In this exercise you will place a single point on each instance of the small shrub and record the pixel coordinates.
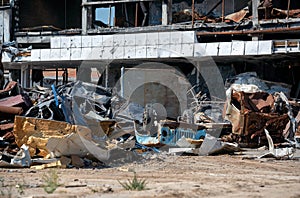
(51, 181)
(134, 184)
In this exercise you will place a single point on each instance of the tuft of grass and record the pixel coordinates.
(51, 181)
(134, 184)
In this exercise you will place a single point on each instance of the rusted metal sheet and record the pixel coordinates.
(251, 113)
(6, 126)
(11, 101)
(9, 87)
(237, 16)
(10, 110)
(284, 13)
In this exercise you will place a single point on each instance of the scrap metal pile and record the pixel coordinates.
(78, 123)
(267, 9)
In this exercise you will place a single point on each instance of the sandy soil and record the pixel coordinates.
(170, 176)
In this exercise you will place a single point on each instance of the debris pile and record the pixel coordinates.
(81, 124)
(12, 102)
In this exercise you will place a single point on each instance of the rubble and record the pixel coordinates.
(75, 124)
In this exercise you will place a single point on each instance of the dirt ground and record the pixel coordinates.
(170, 176)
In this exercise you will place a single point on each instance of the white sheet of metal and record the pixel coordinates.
(140, 51)
(237, 48)
(175, 50)
(86, 41)
(152, 52)
(65, 54)
(118, 52)
(187, 50)
(86, 53)
(251, 47)
(176, 37)
(107, 53)
(129, 40)
(75, 41)
(108, 40)
(65, 42)
(76, 53)
(225, 48)
(119, 40)
(163, 51)
(141, 39)
(97, 41)
(55, 42)
(164, 38)
(212, 49)
(129, 52)
(189, 37)
(199, 49)
(265, 47)
(96, 53)
(55, 54)
(152, 39)
(36, 55)
(45, 54)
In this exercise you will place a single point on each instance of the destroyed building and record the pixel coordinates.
(159, 54)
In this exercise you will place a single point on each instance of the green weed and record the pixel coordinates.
(134, 184)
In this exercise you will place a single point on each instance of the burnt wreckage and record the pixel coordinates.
(149, 78)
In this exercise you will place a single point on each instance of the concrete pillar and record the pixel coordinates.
(84, 18)
(255, 21)
(25, 76)
(164, 17)
(166, 12)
